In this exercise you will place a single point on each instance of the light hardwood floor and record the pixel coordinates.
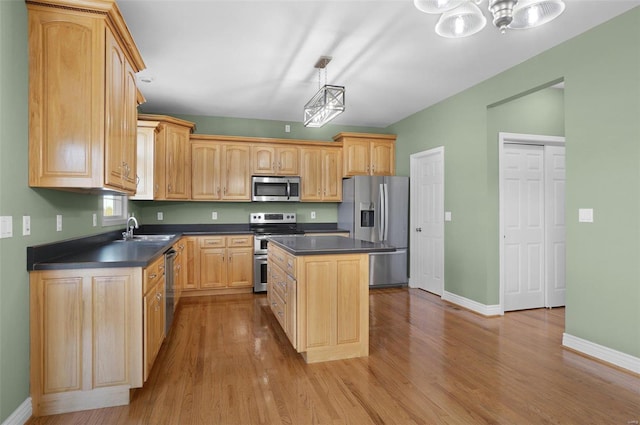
(228, 362)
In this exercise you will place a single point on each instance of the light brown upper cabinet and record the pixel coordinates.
(368, 154)
(171, 157)
(82, 96)
(270, 160)
(320, 176)
(220, 171)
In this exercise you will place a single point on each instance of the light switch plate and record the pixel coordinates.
(447, 216)
(26, 225)
(585, 215)
(313, 215)
(58, 223)
(95, 219)
(6, 226)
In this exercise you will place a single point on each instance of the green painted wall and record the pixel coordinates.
(602, 130)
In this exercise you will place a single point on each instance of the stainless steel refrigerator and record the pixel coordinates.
(376, 209)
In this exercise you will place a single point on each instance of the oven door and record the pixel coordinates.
(260, 273)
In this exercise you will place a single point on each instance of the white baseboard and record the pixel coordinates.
(601, 352)
(485, 310)
(21, 414)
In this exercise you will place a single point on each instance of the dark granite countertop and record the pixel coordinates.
(319, 245)
(100, 251)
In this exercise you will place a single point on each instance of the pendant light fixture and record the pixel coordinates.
(462, 18)
(327, 103)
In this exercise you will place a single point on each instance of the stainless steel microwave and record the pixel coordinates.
(275, 189)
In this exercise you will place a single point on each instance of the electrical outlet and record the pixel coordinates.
(287, 128)
(214, 215)
(447, 216)
(95, 219)
(160, 216)
(26, 225)
(59, 223)
(313, 215)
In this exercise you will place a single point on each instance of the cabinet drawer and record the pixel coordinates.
(278, 308)
(152, 274)
(277, 281)
(239, 240)
(213, 242)
(283, 259)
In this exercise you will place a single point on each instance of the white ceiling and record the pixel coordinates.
(255, 59)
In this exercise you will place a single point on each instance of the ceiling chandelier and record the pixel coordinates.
(461, 18)
(327, 103)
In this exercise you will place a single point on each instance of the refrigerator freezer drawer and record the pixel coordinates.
(388, 268)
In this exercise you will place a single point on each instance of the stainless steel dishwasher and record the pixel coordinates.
(169, 256)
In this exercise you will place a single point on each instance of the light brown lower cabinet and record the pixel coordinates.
(321, 302)
(219, 265)
(95, 334)
(86, 338)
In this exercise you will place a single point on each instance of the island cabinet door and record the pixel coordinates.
(332, 307)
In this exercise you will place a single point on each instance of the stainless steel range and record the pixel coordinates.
(264, 225)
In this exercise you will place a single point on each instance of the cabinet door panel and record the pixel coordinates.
(311, 174)
(129, 137)
(213, 268)
(61, 338)
(115, 168)
(263, 160)
(320, 278)
(65, 100)
(331, 177)
(236, 174)
(348, 296)
(240, 268)
(192, 263)
(205, 177)
(287, 161)
(110, 329)
(178, 166)
(357, 158)
(382, 158)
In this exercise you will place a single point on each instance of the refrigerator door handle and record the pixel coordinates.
(386, 212)
(381, 219)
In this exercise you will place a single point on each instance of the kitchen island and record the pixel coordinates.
(318, 290)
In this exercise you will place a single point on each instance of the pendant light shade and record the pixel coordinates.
(324, 106)
(533, 13)
(463, 21)
(437, 6)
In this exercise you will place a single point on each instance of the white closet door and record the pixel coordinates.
(524, 227)
(555, 224)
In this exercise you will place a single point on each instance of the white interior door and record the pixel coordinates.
(427, 221)
(554, 158)
(523, 227)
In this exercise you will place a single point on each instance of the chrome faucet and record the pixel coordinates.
(130, 227)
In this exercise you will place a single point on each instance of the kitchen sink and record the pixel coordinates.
(148, 238)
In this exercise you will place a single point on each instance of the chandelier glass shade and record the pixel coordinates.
(462, 18)
(462, 21)
(324, 106)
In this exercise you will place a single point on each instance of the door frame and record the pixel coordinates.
(521, 139)
(413, 159)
